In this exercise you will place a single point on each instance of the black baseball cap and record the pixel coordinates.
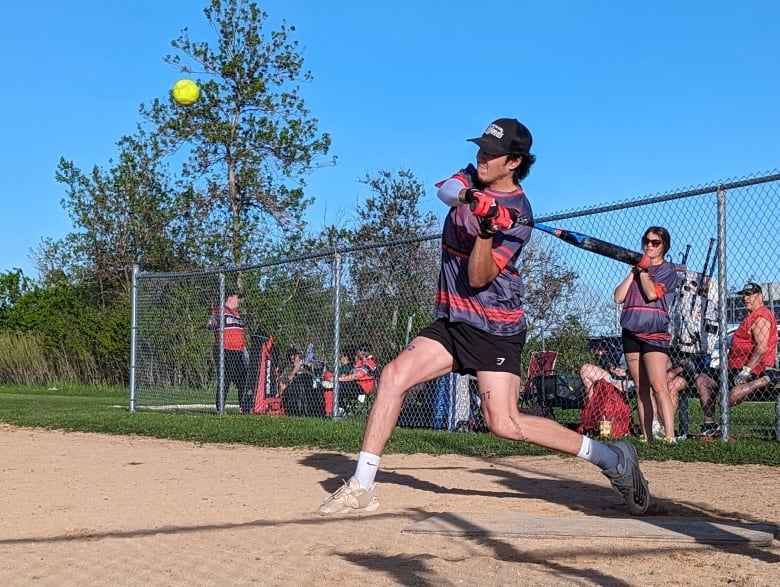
(750, 289)
(505, 136)
(233, 292)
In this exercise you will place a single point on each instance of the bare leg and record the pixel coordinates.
(644, 402)
(739, 393)
(590, 374)
(676, 383)
(705, 385)
(422, 360)
(499, 392)
(656, 365)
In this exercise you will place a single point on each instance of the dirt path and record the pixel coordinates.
(81, 509)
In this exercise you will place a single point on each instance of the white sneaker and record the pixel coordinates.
(350, 497)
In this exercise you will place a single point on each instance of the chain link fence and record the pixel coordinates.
(313, 316)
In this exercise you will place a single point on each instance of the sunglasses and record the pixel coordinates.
(655, 242)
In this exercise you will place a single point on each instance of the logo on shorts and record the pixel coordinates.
(500, 360)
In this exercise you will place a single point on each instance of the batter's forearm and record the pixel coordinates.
(482, 265)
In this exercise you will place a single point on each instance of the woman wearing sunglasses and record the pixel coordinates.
(647, 295)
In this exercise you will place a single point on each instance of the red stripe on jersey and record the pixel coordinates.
(492, 314)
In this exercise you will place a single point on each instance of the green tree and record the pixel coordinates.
(13, 285)
(391, 284)
(570, 340)
(121, 215)
(248, 142)
(554, 292)
(80, 339)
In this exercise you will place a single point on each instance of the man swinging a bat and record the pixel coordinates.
(480, 326)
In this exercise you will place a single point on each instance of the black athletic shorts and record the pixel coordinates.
(473, 350)
(632, 344)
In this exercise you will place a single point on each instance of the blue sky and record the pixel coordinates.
(623, 99)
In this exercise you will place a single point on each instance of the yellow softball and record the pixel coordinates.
(185, 92)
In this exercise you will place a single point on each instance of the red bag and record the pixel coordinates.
(606, 402)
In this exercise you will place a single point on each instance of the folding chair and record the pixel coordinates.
(541, 375)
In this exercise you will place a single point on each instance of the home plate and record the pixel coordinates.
(647, 528)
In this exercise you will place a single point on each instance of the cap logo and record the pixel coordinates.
(495, 130)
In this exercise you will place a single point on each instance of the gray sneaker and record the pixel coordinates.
(350, 497)
(627, 479)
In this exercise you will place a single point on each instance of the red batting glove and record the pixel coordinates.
(501, 219)
(644, 263)
(480, 204)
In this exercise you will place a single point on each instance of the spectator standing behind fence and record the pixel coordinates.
(647, 293)
(480, 326)
(235, 351)
(359, 382)
(751, 357)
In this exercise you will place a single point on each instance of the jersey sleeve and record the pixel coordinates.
(665, 280)
(467, 176)
(508, 244)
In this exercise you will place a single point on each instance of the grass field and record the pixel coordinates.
(88, 409)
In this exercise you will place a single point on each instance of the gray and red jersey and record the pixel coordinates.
(498, 307)
(233, 327)
(649, 321)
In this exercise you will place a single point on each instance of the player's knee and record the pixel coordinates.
(506, 426)
(503, 431)
(736, 397)
(391, 381)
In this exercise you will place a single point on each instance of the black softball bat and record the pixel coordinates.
(586, 242)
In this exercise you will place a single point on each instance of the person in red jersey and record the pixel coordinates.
(235, 351)
(751, 359)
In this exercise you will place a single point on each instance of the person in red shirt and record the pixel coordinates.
(752, 352)
(235, 351)
(360, 381)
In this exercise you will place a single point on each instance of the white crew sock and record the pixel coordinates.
(367, 466)
(598, 454)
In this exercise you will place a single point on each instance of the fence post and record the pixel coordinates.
(133, 333)
(723, 324)
(336, 331)
(221, 367)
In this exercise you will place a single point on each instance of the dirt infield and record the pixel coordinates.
(81, 509)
